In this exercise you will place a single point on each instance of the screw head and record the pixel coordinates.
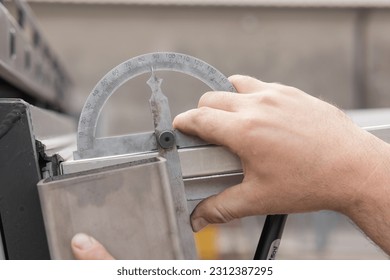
(166, 139)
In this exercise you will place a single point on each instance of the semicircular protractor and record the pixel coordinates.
(89, 146)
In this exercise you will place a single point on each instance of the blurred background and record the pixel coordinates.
(336, 50)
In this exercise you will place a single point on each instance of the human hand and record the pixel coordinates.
(298, 153)
(86, 247)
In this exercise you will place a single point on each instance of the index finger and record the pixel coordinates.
(207, 123)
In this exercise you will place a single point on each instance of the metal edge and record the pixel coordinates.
(243, 3)
(2, 254)
(33, 68)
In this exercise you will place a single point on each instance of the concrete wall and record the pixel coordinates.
(378, 59)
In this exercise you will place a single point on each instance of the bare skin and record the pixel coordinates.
(299, 154)
(85, 247)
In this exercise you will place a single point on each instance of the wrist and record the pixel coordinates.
(366, 177)
(370, 208)
(370, 189)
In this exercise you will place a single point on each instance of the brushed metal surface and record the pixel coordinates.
(128, 208)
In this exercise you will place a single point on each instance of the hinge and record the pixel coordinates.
(49, 165)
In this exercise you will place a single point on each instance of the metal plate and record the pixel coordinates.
(128, 208)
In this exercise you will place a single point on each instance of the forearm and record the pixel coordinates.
(371, 208)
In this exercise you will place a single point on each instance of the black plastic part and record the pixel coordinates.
(272, 231)
(22, 227)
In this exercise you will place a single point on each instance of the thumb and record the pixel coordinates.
(234, 202)
(86, 247)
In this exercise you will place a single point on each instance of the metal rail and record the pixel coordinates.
(26, 60)
(243, 3)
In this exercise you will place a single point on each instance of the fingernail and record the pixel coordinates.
(82, 241)
(198, 224)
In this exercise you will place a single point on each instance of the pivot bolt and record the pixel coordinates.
(166, 139)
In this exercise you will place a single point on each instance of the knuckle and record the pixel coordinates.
(214, 210)
(201, 115)
(205, 99)
(285, 89)
(222, 215)
(248, 121)
(291, 91)
(267, 97)
(251, 128)
(202, 111)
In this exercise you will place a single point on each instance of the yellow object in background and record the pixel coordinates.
(206, 243)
